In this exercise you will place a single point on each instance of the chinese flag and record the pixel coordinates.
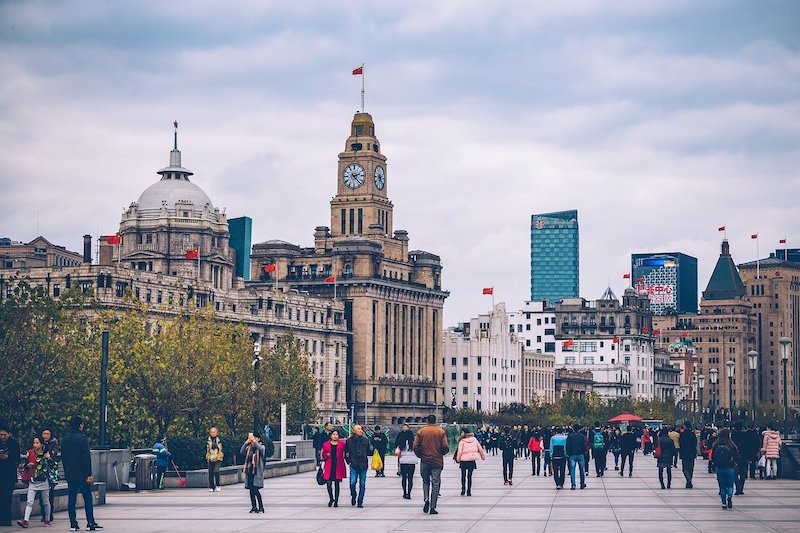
(616, 340)
(645, 330)
(488, 290)
(270, 268)
(330, 279)
(656, 332)
(568, 343)
(626, 276)
(359, 71)
(639, 280)
(754, 236)
(782, 241)
(193, 254)
(113, 239)
(685, 335)
(721, 228)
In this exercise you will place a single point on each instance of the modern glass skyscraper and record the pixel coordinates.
(670, 280)
(241, 236)
(554, 256)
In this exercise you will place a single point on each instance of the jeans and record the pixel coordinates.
(41, 503)
(687, 464)
(599, 455)
(579, 460)
(772, 467)
(32, 492)
(407, 477)
(359, 476)
(213, 474)
(629, 457)
(726, 478)
(72, 498)
(536, 463)
(741, 476)
(508, 467)
(559, 467)
(546, 461)
(431, 480)
(661, 475)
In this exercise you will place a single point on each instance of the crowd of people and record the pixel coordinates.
(732, 454)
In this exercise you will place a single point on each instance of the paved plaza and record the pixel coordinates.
(297, 504)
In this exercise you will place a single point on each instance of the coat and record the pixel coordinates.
(771, 444)
(535, 444)
(162, 455)
(8, 466)
(341, 468)
(688, 441)
(357, 452)
(258, 473)
(469, 449)
(75, 457)
(668, 451)
(430, 445)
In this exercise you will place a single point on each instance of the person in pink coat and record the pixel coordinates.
(334, 470)
(771, 446)
(469, 451)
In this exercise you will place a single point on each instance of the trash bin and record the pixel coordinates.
(145, 465)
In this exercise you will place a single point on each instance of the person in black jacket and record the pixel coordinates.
(688, 453)
(576, 451)
(356, 454)
(747, 450)
(77, 461)
(628, 447)
(9, 461)
(380, 442)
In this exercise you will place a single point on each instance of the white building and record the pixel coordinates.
(483, 363)
(536, 325)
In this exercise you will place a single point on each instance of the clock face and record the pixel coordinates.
(354, 175)
(380, 177)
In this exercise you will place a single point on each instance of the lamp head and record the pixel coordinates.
(714, 375)
(785, 342)
(730, 366)
(701, 381)
(752, 358)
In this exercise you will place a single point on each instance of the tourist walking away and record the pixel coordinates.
(9, 460)
(646, 440)
(356, 454)
(379, 443)
(743, 440)
(771, 446)
(461, 436)
(214, 457)
(688, 453)
(77, 461)
(576, 452)
(615, 443)
(469, 451)
(507, 444)
(665, 454)
(535, 448)
(675, 436)
(546, 434)
(254, 453)
(725, 455)
(37, 474)
(598, 439)
(162, 460)
(321, 438)
(430, 444)
(50, 445)
(628, 447)
(404, 449)
(709, 446)
(558, 457)
(334, 470)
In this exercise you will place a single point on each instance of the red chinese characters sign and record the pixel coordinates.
(658, 294)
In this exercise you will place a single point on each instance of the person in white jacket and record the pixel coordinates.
(408, 459)
(469, 451)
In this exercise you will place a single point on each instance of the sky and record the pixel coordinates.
(659, 121)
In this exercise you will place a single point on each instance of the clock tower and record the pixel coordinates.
(361, 205)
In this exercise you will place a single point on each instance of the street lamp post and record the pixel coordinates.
(694, 399)
(701, 384)
(785, 342)
(752, 359)
(254, 385)
(730, 367)
(714, 373)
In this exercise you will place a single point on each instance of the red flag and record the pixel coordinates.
(639, 280)
(754, 236)
(626, 276)
(330, 279)
(114, 239)
(270, 268)
(721, 228)
(193, 254)
(645, 330)
(657, 332)
(488, 290)
(685, 335)
(568, 343)
(616, 340)
(782, 241)
(359, 71)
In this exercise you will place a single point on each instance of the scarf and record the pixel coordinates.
(251, 461)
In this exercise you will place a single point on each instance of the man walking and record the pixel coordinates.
(747, 449)
(599, 441)
(430, 445)
(675, 438)
(688, 453)
(576, 450)
(77, 461)
(356, 454)
(380, 442)
(558, 456)
(628, 447)
(9, 460)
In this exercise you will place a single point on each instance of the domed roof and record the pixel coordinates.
(167, 192)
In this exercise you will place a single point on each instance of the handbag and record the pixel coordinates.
(377, 464)
(762, 461)
(657, 452)
(26, 472)
(320, 476)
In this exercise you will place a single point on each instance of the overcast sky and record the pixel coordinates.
(658, 120)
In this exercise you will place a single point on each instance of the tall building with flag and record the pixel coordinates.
(554, 256)
(669, 279)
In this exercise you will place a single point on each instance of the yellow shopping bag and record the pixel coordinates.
(377, 464)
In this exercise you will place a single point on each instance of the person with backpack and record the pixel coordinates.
(254, 453)
(507, 444)
(725, 456)
(535, 449)
(576, 450)
(37, 473)
(598, 440)
(665, 454)
(558, 456)
(688, 453)
(214, 457)
(50, 445)
(628, 447)
(162, 460)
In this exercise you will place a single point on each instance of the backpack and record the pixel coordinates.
(598, 440)
(722, 456)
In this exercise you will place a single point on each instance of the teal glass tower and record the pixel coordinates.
(554, 256)
(241, 236)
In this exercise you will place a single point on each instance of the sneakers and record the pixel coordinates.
(94, 527)
(47, 523)
(217, 489)
(210, 490)
(353, 500)
(22, 523)
(433, 511)
(74, 527)
(426, 507)
(730, 502)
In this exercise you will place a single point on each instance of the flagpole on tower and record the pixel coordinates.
(362, 87)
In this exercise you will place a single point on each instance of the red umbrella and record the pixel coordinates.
(625, 417)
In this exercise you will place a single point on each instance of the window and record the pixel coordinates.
(479, 376)
(465, 390)
(453, 376)
(453, 361)
(479, 360)
(465, 361)
(538, 321)
(569, 360)
(527, 327)
(464, 376)
(549, 347)
(588, 360)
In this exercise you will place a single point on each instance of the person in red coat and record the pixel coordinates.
(334, 470)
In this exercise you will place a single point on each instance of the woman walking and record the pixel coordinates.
(404, 448)
(254, 453)
(40, 464)
(507, 447)
(725, 454)
(771, 446)
(335, 470)
(665, 454)
(535, 447)
(469, 451)
(616, 446)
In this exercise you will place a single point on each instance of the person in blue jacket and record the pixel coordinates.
(162, 460)
(558, 456)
